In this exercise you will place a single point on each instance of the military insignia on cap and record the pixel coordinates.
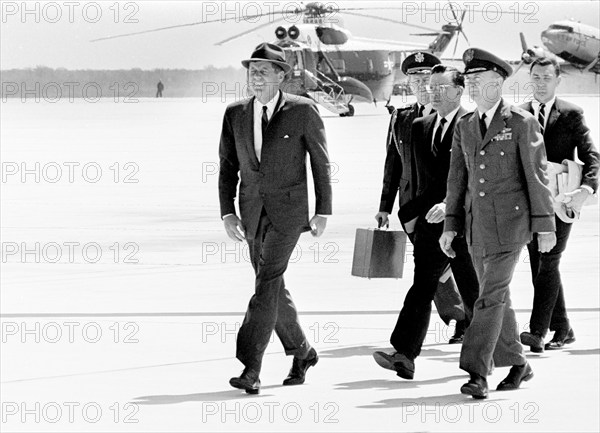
(419, 58)
(468, 55)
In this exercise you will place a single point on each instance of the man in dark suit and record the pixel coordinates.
(564, 131)
(265, 141)
(431, 143)
(400, 178)
(498, 197)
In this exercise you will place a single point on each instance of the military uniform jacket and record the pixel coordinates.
(497, 192)
(278, 183)
(566, 131)
(399, 176)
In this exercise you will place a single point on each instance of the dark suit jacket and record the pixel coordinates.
(279, 182)
(399, 176)
(497, 185)
(566, 131)
(431, 170)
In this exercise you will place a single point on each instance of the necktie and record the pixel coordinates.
(421, 109)
(542, 117)
(482, 125)
(264, 120)
(437, 139)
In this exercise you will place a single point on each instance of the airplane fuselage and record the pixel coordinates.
(574, 42)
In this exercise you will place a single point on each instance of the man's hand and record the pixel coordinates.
(446, 243)
(436, 214)
(546, 241)
(234, 228)
(576, 198)
(382, 219)
(317, 225)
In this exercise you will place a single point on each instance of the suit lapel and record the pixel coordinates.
(447, 140)
(248, 131)
(429, 126)
(496, 125)
(553, 117)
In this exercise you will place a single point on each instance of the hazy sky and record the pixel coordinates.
(58, 34)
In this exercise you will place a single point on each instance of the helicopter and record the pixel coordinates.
(578, 44)
(330, 65)
(335, 69)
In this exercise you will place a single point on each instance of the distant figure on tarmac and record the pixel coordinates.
(159, 88)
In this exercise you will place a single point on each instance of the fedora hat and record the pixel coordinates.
(271, 53)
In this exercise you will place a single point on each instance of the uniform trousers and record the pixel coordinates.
(492, 339)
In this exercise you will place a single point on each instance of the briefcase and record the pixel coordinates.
(379, 253)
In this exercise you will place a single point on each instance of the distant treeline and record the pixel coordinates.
(48, 83)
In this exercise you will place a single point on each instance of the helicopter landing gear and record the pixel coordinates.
(349, 113)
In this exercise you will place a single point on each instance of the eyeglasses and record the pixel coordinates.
(440, 88)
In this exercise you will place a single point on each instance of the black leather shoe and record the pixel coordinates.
(560, 339)
(297, 374)
(534, 340)
(476, 386)
(517, 374)
(248, 381)
(459, 332)
(398, 362)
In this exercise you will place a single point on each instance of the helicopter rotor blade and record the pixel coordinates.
(160, 29)
(455, 47)
(239, 35)
(454, 13)
(375, 17)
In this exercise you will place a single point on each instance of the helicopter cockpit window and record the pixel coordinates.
(339, 65)
(561, 27)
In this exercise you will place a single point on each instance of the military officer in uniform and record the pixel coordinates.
(497, 197)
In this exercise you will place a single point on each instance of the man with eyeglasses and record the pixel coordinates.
(564, 131)
(497, 197)
(265, 141)
(431, 140)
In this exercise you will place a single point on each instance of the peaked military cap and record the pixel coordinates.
(419, 63)
(478, 60)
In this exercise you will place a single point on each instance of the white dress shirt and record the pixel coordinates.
(258, 110)
(547, 107)
(449, 117)
(489, 114)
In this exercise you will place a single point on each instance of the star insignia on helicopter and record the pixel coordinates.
(389, 64)
(419, 58)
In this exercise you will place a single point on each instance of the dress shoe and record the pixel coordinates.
(534, 340)
(248, 381)
(398, 362)
(517, 374)
(459, 332)
(560, 339)
(476, 386)
(297, 374)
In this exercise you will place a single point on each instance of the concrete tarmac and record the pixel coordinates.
(121, 294)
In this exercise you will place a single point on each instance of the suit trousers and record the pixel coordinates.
(549, 310)
(447, 299)
(492, 339)
(271, 307)
(430, 262)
